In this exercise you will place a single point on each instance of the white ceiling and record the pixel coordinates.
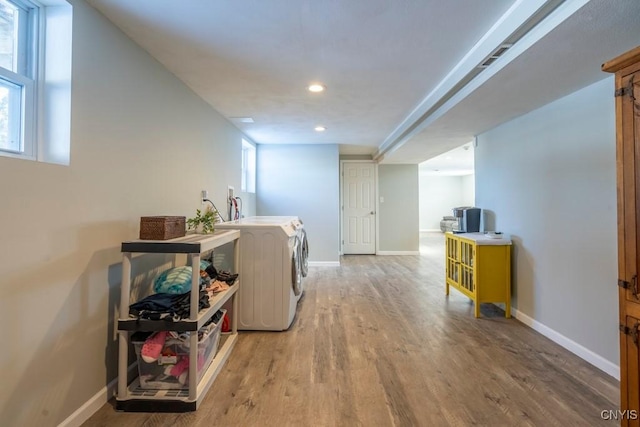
(457, 162)
(386, 64)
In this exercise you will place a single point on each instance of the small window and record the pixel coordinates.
(248, 167)
(18, 30)
(35, 80)
(11, 117)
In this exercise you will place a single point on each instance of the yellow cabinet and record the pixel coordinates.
(479, 266)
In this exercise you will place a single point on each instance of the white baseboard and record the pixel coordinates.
(92, 405)
(577, 349)
(398, 253)
(324, 263)
(428, 230)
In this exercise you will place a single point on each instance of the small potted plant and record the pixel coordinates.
(204, 221)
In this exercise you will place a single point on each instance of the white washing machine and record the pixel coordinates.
(270, 271)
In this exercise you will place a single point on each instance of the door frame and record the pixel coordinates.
(375, 196)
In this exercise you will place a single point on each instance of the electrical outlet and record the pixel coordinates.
(205, 195)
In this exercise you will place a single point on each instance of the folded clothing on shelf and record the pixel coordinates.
(177, 280)
(223, 276)
(167, 306)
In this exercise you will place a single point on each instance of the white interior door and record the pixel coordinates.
(358, 208)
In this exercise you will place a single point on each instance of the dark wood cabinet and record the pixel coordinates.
(627, 92)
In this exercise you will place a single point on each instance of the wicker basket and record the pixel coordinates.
(162, 227)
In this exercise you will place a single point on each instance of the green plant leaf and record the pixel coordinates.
(206, 219)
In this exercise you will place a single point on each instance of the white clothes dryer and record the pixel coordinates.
(270, 271)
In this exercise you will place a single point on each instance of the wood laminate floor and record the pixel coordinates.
(376, 343)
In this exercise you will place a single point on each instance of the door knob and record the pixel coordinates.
(372, 213)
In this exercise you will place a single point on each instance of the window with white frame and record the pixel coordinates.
(35, 79)
(248, 167)
(18, 67)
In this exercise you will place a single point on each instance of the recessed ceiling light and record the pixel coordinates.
(315, 87)
(320, 128)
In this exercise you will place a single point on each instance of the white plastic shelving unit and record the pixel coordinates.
(130, 396)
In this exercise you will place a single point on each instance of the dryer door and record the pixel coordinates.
(304, 253)
(296, 274)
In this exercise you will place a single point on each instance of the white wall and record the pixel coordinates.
(303, 180)
(469, 190)
(549, 179)
(398, 215)
(141, 144)
(440, 194)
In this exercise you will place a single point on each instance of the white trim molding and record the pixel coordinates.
(91, 406)
(324, 263)
(577, 349)
(398, 253)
